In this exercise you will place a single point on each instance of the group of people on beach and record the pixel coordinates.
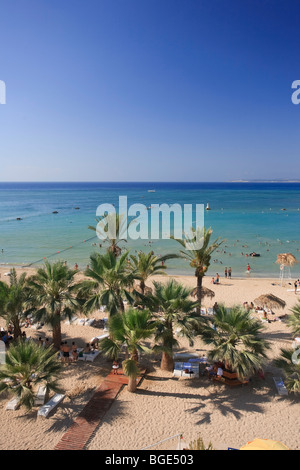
(227, 274)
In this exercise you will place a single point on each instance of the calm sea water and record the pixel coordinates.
(248, 215)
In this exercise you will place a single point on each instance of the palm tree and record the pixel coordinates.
(199, 258)
(53, 296)
(236, 340)
(13, 298)
(146, 265)
(114, 225)
(291, 367)
(131, 329)
(27, 367)
(294, 319)
(110, 280)
(172, 309)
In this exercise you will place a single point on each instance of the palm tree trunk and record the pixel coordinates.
(199, 291)
(131, 384)
(57, 335)
(17, 329)
(167, 362)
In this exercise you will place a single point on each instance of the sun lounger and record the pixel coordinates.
(40, 396)
(203, 311)
(51, 405)
(81, 321)
(281, 388)
(186, 369)
(210, 311)
(90, 322)
(13, 404)
(91, 356)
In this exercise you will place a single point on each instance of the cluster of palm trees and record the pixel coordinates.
(159, 315)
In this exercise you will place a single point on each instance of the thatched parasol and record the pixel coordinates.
(205, 292)
(270, 301)
(287, 259)
(138, 289)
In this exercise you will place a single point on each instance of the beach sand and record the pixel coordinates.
(165, 406)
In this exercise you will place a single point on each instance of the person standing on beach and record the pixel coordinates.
(248, 269)
(295, 285)
(229, 273)
(225, 272)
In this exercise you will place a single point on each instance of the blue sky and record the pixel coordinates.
(148, 90)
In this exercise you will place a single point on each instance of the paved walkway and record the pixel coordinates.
(89, 419)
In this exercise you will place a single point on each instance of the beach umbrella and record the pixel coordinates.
(286, 259)
(264, 444)
(138, 289)
(270, 301)
(205, 292)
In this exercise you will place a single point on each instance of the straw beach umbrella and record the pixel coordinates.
(205, 292)
(286, 261)
(270, 301)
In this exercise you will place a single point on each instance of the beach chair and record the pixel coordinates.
(51, 405)
(81, 321)
(210, 311)
(91, 356)
(281, 388)
(203, 311)
(41, 395)
(13, 404)
(90, 322)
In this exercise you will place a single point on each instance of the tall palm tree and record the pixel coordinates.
(294, 319)
(172, 309)
(13, 298)
(113, 225)
(53, 296)
(109, 281)
(199, 258)
(132, 329)
(291, 368)
(235, 339)
(27, 367)
(146, 265)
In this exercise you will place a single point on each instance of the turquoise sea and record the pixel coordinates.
(249, 216)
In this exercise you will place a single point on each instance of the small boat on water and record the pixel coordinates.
(207, 207)
(151, 190)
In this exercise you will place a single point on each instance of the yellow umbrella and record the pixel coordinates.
(264, 444)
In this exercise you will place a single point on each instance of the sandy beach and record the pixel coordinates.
(164, 405)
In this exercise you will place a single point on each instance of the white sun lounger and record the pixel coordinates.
(91, 356)
(90, 322)
(46, 409)
(13, 404)
(281, 388)
(40, 396)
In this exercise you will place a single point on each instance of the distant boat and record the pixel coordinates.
(151, 190)
(207, 207)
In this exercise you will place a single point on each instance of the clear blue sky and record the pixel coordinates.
(149, 90)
